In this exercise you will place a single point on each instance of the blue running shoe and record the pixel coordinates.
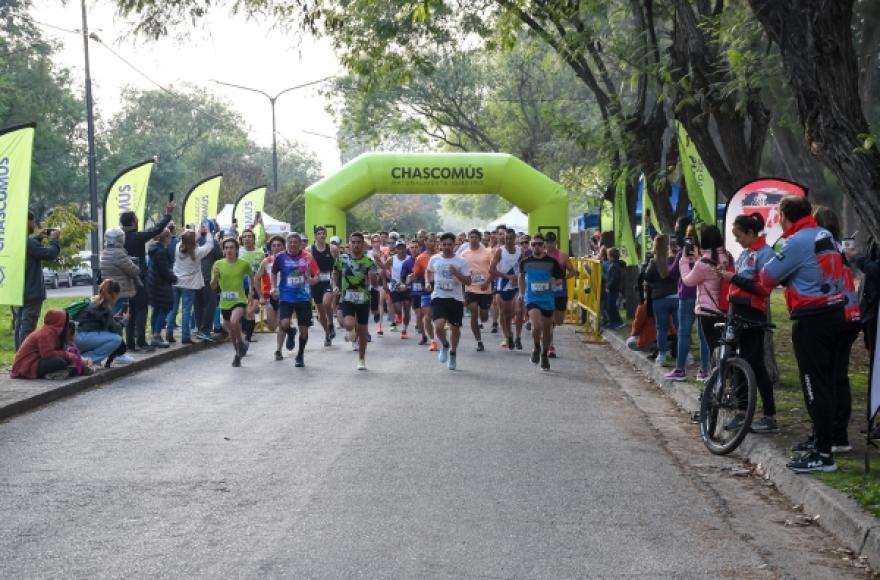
(451, 365)
(444, 354)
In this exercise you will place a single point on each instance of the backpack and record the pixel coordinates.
(74, 309)
(724, 293)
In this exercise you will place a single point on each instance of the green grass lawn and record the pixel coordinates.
(794, 420)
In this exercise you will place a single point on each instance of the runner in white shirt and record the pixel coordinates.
(447, 275)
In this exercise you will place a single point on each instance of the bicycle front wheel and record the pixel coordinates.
(727, 406)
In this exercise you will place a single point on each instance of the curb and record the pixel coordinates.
(840, 515)
(71, 387)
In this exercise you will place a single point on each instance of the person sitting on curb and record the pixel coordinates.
(43, 353)
(99, 334)
(643, 336)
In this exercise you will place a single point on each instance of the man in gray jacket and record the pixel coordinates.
(28, 314)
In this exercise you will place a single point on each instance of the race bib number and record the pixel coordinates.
(478, 278)
(229, 295)
(324, 276)
(540, 286)
(417, 287)
(354, 297)
(393, 285)
(296, 280)
(446, 285)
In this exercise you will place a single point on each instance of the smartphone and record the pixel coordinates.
(171, 197)
(849, 243)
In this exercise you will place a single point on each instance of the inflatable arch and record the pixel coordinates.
(544, 200)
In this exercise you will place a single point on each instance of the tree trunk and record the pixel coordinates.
(730, 141)
(815, 39)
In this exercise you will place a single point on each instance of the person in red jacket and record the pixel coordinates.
(43, 354)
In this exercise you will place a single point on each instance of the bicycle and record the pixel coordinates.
(727, 405)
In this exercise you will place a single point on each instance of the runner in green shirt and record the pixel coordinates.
(353, 274)
(229, 275)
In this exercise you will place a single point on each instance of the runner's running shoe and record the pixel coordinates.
(433, 346)
(444, 354)
(451, 365)
(362, 364)
(404, 335)
(545, 362)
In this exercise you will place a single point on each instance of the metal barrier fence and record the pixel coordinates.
(585, 298)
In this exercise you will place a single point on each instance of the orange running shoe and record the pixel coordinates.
(433, 346)
(404, 335)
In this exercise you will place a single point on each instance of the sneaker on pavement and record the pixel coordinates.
(433, 347)
(392, 328)
(444, 354)
(676, 375)
(404, 335)
(765, 425)
(289, 342)
(505, 343)
(243, 347)
(379, 330)
(424, 340)
(841, 448)
(278, 355)
(536, 355)
(236, 362)
(451, 364)
(494, 328)
(702, 375)
(145, 348)
(545, 361)
(299, 361)
(813, 461)
(332, 333)
(169, 338)
(362, 364)
(551, 352)
(123, 359)
(480, 346)
(518, 344)
(327, 341)
(159, 343)
(58, 375)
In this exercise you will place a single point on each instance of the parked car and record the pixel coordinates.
(50, 278)
(81, 274)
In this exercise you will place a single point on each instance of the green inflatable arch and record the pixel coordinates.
(544, 200)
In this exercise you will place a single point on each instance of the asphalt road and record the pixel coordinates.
(408, 470)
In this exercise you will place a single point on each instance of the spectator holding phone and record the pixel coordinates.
(136, 246)
(118, 266)
(27, 315)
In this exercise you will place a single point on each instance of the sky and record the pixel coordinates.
(224, 47)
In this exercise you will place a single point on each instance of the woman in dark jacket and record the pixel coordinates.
(160, 282)
(98, 333)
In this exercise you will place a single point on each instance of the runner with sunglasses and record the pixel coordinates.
(540, 274)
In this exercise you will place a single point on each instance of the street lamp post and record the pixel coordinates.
(272, 100)
(92, 157)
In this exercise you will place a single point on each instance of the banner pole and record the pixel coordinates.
(92, 157)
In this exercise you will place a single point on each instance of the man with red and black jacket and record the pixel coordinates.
(812, 271)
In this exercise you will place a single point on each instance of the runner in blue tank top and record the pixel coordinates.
(539, 276)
